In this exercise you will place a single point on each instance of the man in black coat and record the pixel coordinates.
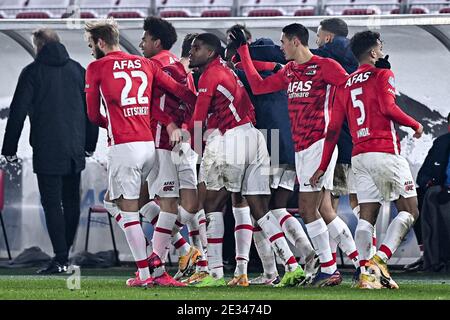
(50, 91)
(433, 194)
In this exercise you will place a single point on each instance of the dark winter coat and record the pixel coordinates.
(50, 91)
(434, 168)
(271, 109)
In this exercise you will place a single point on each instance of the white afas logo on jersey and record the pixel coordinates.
(299, 89)
(129, 64)
(358, 78)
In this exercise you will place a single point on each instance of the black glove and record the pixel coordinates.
(277, 68)
(237, 37)
(383, 63)
(12, 159)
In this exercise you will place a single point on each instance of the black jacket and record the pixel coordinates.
(50, 91)
(271, 109)
(433, 170)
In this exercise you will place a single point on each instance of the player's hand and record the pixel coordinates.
(237, 37)
(418, 132)
(314, 180)
(175, 134)
(12, 159)
(383, 63)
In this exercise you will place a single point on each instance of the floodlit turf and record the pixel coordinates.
(101, 284)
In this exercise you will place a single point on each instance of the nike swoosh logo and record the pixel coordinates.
(307, 184)
(437, 164)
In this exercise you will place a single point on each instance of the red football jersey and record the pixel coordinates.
(367, 99)
(178, 111)
(124, 82)
(309, 87)
(221, 95)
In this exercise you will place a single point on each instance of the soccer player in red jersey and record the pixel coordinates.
(308, 80)
(124, 83)
(367, 99)
(201, 268)
(174, 177)
(235, 157)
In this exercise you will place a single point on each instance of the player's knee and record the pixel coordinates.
(190, 206)
(306, 205)
(415, 213)
(212, 206)
(409, 205)
(276, 203)
(169, 205)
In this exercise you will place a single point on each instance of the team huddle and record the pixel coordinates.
(161, 123)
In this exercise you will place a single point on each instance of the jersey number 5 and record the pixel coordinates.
(358, 104)
(124, 99)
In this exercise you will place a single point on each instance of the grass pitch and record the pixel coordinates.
(109, 284)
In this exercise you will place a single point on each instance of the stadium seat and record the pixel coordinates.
(427, 6)
(395, 11)
(445, 10)
(418, 10)
(102, 210)
(2, 205)
(304, 12)
(216, 13)
(173, 14)
(33, 15)
(83, 15)
(357, 11)
(125, 14)
(265, 13)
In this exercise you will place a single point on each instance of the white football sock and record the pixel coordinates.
(294, 232)
(215, 231)
(395, 233)
(318, 233)
(363, 240)
(340, 232)
(114, 211)
(243, 232)
(150, 212)
(162, 233)
(136, 241)
(273, 232)
(265, 252)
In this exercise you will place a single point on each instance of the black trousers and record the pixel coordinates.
(60, 198)
(436, 230)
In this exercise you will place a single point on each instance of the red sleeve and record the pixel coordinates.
(273, 83)
(259, 65)
(171, 86)
(93, 97)
(206, 89)
(333, 73)
(386, 99)
(333, 130)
